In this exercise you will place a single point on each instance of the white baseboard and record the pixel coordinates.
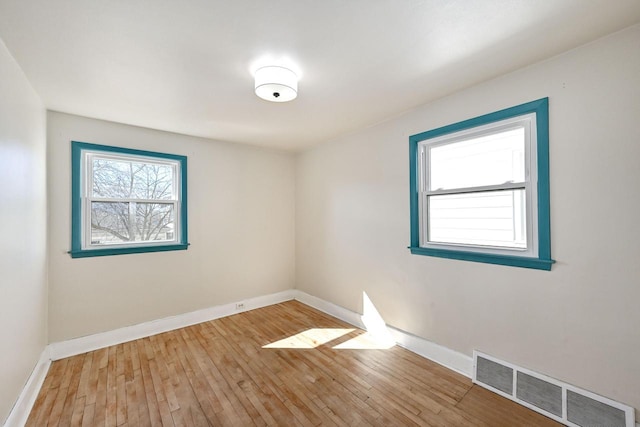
(451, 359)
(444, 356)
(332, 309)
(22, 408)
(60, 350)
(459, 362)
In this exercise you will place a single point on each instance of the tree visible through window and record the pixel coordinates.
(141, 216)
(128, 199)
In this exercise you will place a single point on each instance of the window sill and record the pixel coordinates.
(85, 253)
(513, 261)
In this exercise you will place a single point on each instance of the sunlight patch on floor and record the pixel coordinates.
(366, 341)
(376, 337)
(311, 338)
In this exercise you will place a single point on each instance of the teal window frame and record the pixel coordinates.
(77, 251)
(543, 260)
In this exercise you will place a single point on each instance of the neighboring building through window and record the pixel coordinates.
(480, 189)
(127, 201)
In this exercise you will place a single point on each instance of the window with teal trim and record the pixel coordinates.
(480, 189)
(126, 201)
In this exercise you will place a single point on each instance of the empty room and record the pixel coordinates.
(320, 213)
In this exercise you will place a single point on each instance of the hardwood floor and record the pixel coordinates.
(282, 365)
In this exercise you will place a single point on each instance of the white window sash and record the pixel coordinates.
(481, 189)
(87, 198)
(529, 185)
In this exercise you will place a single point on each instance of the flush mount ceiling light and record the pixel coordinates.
(276, 84)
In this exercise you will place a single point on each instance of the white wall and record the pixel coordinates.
(241, 230)
(581, 321)
(23, 220)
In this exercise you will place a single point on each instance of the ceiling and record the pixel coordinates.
(186, 66)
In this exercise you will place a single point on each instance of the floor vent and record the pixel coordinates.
(562, 402)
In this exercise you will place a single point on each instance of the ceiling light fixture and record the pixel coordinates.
(276, 84)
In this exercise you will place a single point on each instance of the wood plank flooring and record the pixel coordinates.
(283, 365)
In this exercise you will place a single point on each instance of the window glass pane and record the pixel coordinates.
(132, 180)
(110, 223)
(154, 221)
(486, 160)
(117, 223)
(491, 218)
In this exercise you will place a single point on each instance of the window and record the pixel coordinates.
(126, 201)
(480, 189)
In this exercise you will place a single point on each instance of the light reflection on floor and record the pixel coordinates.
(315, 337)
(365, 341)
(377, 335)
(311, 338)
